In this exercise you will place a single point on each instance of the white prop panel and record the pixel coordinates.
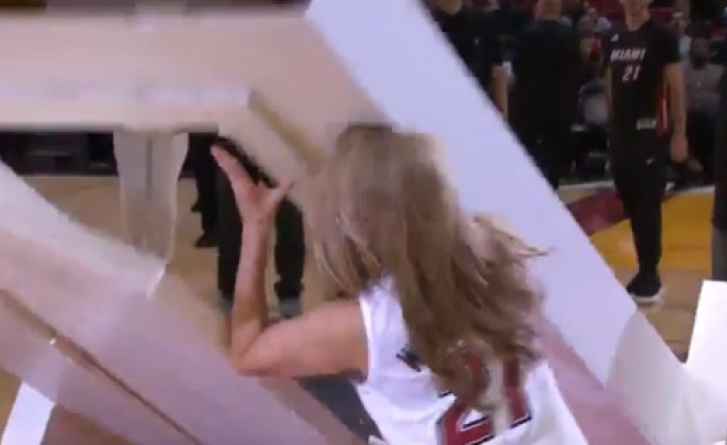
(28, 418)
(30, 349)
(707, 363)
(161, 341)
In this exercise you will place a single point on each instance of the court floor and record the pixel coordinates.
(686, 263)
(686, 255)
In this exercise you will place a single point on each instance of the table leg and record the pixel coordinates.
(149, 165)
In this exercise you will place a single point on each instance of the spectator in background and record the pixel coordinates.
(548, 69)
(680, 24)
(473, 35)
(574, 10)
(601, 24)
(590, 132)
(508, 17)
(486, 6)
(590, 45)
(702, 83)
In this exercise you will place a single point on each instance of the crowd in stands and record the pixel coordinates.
(513, 53)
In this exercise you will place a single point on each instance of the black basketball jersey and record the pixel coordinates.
(637, 60)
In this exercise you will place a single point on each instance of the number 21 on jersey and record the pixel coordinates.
(631, 73)
(456, 430)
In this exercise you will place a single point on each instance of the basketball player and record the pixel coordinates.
(645, 86)
(437, 330)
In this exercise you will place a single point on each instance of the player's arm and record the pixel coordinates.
(674, 76)
(500, 89)
(607, 77)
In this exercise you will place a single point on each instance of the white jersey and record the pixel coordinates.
(401, 396)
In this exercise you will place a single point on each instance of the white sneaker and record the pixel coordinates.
(646, 288)
(646, 300)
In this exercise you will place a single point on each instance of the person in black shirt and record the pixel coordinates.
(719, 219)
(645, 86)
(474, 38)
(289, 239)
(548, 66)
(204, 168)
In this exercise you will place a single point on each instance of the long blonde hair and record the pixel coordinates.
(383, 207)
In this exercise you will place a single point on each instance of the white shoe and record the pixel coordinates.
(647, 300)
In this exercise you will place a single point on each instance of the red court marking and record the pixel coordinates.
(601, 210)
(598, 211)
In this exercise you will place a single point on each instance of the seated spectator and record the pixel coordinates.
(601, 24)
(591, 47)
(702, 84)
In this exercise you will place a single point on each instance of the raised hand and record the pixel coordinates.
(257, 203)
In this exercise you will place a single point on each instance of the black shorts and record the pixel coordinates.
(643, 146)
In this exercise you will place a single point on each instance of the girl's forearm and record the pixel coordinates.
(250, 311)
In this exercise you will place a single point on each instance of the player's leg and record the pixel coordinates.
(625, 181)
(627, 170)
(289, 257)
(204, 174)
(529, 133)
(563, 152)
(646, 220)
(719, 254)
(545, 154)
(539, 142)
